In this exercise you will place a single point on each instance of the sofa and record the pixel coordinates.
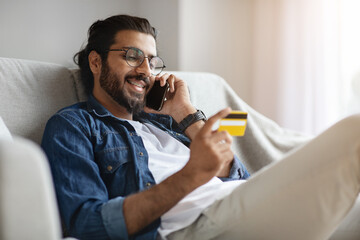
(32, 91)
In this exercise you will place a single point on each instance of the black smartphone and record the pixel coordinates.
(156, 96)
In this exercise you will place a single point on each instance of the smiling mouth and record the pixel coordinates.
(138, 81)
(138, 84)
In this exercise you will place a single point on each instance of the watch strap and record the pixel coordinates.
(190, 119)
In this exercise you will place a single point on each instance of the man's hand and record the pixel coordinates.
(178, 103)
(210, 151)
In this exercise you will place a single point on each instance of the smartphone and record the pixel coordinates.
(234, 123)
(156, 96)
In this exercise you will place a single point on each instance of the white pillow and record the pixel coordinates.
(4, 131)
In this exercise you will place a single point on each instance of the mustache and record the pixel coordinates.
(146, 80)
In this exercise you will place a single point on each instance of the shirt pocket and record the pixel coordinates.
(111, 159)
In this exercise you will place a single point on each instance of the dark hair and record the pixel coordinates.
(101, 36)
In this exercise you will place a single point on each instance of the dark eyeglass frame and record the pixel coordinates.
(153, 70)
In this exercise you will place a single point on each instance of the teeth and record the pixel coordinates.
(137, 84)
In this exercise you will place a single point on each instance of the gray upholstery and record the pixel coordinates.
(31, 92)
(27, 205)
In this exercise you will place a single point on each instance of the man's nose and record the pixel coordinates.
(144, 68)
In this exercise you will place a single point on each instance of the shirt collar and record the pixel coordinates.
(97, 108)
(94, 106)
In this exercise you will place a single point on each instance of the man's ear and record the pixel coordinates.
(95, 62)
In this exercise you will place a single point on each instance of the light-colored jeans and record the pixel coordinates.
(304, 196)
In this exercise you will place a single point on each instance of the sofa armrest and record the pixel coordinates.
(28, 207)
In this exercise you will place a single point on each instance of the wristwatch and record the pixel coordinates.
(190, 119)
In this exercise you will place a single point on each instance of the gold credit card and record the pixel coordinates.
(234, 123)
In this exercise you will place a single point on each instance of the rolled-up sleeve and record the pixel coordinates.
(237, 171)
(114, 222)
(86, 211)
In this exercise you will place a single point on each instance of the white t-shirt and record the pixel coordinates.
(167, 156)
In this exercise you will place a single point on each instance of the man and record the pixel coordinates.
(121, 173)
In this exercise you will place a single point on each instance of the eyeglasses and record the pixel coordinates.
(135, 57)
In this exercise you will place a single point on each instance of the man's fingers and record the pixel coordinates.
(171, 82)
(223, 147)
(207, 129)
(221, 137)
(162, 78)
(166, 77)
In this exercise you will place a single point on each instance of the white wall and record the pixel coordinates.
(50, 30)
(202, 35)
(54, 30)
(164, 15)
(216, 36)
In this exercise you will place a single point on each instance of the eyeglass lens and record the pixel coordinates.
(135, 58)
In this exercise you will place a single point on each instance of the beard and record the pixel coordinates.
(111, 83)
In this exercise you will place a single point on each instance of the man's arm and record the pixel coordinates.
(143, 208)
(207, 158)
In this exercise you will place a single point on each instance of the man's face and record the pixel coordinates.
(128, 85)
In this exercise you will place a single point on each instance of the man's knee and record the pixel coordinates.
(347, 129)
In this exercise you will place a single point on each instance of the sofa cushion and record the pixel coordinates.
(4, 131)
(31, 92)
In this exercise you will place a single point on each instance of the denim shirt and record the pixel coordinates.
(96, 161)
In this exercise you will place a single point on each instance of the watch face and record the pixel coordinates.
(203, 117)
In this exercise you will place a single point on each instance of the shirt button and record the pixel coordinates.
(109, 168)
(141, 154)
(148, 184)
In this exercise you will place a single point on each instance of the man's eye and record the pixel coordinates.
(132, 58)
